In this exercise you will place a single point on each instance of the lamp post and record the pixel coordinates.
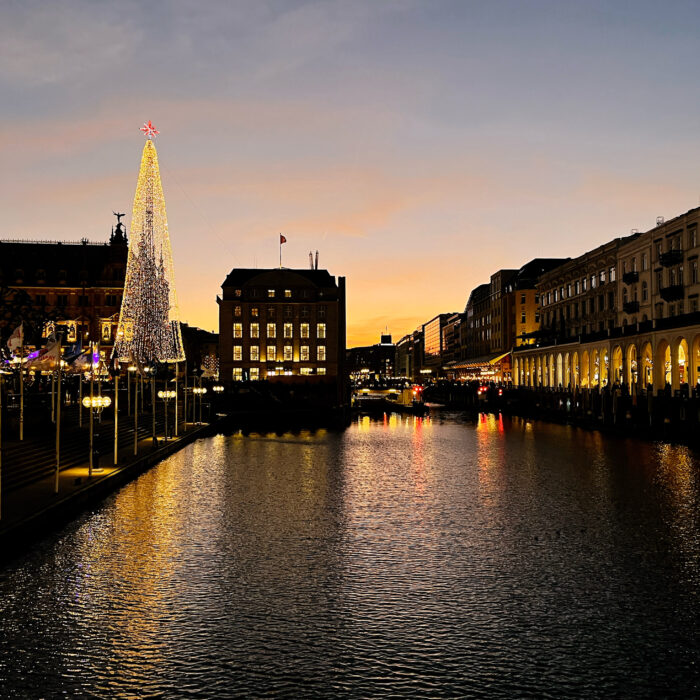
(218, 390)
(95, 404)
(115, 373)
(2, 381)
(199, 391)
(130, 369)
(184, 400)
(61, 365)
(152, 372)
(166, 396)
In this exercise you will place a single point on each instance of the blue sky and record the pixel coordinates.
(419, 146)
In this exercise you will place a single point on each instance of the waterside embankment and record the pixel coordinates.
(35, 510)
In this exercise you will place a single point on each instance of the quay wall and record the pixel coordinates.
(666, 415)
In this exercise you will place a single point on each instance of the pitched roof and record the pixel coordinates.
(239, 277)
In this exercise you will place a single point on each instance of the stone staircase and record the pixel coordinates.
(34, 458)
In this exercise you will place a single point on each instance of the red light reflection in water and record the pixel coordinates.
(418, 461)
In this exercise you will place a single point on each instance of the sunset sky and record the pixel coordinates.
(418, 145)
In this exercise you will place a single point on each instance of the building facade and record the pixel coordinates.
(376, 360)
(75, 288)
(581, 296)
(281, 325)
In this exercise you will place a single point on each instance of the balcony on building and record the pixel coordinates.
(630, 307)
(630, 277)
(673, 292)
(671, 257)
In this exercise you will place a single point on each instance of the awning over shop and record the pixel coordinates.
(485, 361)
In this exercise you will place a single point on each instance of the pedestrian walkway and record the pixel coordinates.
(30, 510)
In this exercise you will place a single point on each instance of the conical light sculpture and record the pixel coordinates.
(149, 323)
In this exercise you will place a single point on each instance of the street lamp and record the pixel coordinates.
(218, 388)
(96, 404)
(130, 369)
(166, 396)
(200, 391)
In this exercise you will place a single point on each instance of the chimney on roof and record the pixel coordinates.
(316, 267)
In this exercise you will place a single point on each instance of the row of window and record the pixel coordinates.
(287, 329)
(675, 242)
(288, 311)
(578, 286)
(262, 292)
(272, 355)
(253, 373)
(81, 300)
(40, 275)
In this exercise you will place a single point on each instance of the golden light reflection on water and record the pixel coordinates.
(489, 442)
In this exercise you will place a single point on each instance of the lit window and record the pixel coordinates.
(271, 293)
(106, 332)
(254, 330)
(237, 292)
(305, 370)
(271, 353)
(237, 330)
(288, 293)
(237, 353)
(321, 353)
(271, 330)
(321, 370)
(288, 332)
(254, 374)
(254, 311)
(238, 374)
(237, 311)
(304, 353)
(254, 353)
(287, 353)
(320, 330)
(304, 330)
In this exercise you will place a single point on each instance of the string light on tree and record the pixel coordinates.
(149, 323)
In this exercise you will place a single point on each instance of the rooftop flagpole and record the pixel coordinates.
(282, 240)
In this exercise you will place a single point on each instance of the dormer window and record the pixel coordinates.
(19, 275)
(40, 275)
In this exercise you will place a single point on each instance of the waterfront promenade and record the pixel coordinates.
(33, 508)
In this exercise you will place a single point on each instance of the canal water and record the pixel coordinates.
(436, 557)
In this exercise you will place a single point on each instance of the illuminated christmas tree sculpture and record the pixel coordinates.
(149, 324)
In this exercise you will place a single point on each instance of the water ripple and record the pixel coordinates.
(400, 558)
